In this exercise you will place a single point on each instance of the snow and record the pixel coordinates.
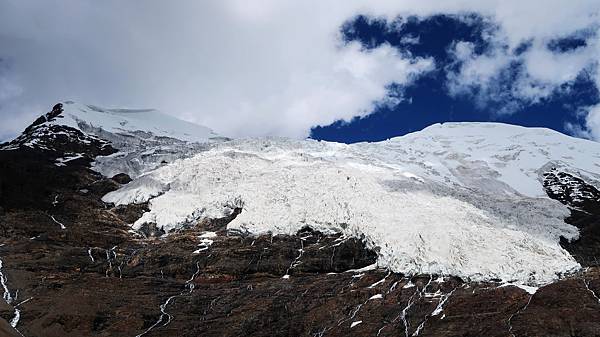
(130, 121)
(361, 270)
(461, 199)
(440, 307)
(6, 295)
(89, 251)
(378, 282)
(565, 185)
(530, 290)
(145, 138)
(62, 161)
(587, 286)
(376, 297)
(62, 226)
(408, 285)
(205, 242)
(9, 299)
(140, 190)
(355, 323)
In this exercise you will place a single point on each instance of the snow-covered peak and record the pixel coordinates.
(459, 198)
(130, 121)
(512, 155)
(125, 140)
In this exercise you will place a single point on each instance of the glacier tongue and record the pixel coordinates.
(463, 199)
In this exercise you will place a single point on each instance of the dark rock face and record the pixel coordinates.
(583, 200)
(57, 142)
(97, 278)
(571, 191)
(121, 178)
(50, 116)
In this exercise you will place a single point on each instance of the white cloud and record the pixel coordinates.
(477, 74)
(591, 128)
(537, 72)
(262, 67)
(593, 123)
(540, 73)
(8, 90)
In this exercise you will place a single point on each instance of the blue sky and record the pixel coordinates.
(428, 100)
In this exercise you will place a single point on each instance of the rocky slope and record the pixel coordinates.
(73, 266)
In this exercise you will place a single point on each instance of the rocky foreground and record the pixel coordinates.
(72, 266)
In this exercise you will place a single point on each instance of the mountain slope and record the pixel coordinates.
(72, 265)
(134, 123)
(463, 199)
(144, 138)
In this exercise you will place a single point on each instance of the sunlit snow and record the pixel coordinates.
(129, 121)
(145, 138)
(459, 199)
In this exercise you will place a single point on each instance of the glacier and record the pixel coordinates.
(463, 199)
(88, 118)
(145, 138)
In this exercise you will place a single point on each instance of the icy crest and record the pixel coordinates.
(146, 138)
(461, 198)
(144, 123)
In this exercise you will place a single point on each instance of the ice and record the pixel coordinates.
(461, 199)
(62, 161)
(131, 121)
(355, 323)
(376, 297)
(140, 190)
(145, 138)
(530, 290)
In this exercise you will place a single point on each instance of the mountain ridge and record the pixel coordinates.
(461, 199)
(73, 266)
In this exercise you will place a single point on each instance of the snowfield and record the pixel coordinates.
(464, 199)
(145, 137)
(131, 121)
